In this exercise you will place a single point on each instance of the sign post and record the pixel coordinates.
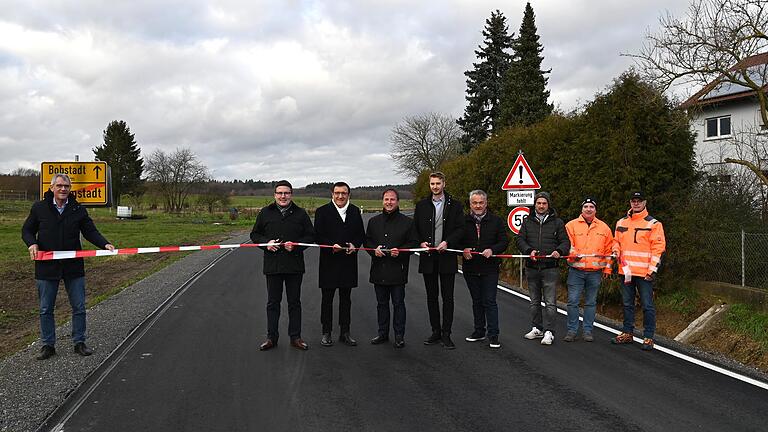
(90, 180)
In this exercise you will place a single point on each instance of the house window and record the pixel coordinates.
(719, 127)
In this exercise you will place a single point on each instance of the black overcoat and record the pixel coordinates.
(293, 225)
(390, 230)
(52, 231)
(453, 224)
(338, 270)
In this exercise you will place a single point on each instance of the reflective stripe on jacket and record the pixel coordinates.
(590, 239)
(639, 243)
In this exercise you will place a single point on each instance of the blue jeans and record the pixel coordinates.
(383, 295)
(46, 291)
(645, 288)
(483, 288)
(588, 282)
(542, 285)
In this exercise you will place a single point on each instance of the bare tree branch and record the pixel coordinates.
(175, 174)
(424, 142)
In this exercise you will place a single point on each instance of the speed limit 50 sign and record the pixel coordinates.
(516, 217)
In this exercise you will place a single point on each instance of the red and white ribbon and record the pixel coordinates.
(59, 255)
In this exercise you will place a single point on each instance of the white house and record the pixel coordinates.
(720, 111)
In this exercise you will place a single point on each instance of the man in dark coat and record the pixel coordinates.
(340, 224)
(543, 234)
(387, 233)
(485, 234)
(55, 224)
(439, 222)
(283, 222)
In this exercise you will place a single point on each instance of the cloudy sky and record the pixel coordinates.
(267, 89)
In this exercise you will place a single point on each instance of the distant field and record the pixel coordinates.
(309, 203)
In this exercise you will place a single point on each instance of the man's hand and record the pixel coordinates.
(650, 276)
(467, 254)
(337, 248)
(577, 257)
(351, 249)
(109, 247)
(533, 254)
(33, 251)
(442, 246)
(394, 252)
(378, 252)
(487, 253)
(555, 254)
(424, 245)
(273, 245)
(289, 246)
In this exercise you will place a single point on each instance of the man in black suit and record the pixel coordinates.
(387, 233)
(338, 223)
(281, 225)
(439, 221)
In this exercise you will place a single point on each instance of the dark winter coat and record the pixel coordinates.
(338, 270)
(453, 225)
(294, 226)
(390, 230)
(52, 231)
(493, 236)
(544, 237)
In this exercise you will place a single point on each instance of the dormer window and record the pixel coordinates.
(718, 127)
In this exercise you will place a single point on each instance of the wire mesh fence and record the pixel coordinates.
(737, 258)
(13, 195)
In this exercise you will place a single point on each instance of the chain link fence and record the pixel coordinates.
(737, 258)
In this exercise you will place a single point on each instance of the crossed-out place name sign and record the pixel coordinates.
(89, 180)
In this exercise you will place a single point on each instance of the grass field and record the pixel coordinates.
(309, 203)
(105, 276)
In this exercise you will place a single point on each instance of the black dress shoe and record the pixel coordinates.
(346, 339)
(267, 345)
(447, 342)
(433, 339)
(299, 344)
(399, 342)
(82, 349)
(46, 352)
(379, 340)
(327, 340)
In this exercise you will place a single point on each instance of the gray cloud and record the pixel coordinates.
(304, 90)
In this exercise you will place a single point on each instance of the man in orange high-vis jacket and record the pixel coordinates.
(591, 247)
(639, 244)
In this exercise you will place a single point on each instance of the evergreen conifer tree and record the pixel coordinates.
(524, 100)
(484, 82)
(122, 155)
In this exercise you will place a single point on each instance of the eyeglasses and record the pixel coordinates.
(341, 193)
(283, 193)
(62, 186)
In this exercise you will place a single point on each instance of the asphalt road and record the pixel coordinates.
(198, 368)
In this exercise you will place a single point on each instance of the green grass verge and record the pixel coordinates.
(683, 300)
(746, 320)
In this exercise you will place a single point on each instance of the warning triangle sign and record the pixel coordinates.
(520, 176)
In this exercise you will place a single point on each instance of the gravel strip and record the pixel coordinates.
(30, 390)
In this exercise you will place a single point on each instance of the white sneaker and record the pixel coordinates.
(548, 338)
(534, 334)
